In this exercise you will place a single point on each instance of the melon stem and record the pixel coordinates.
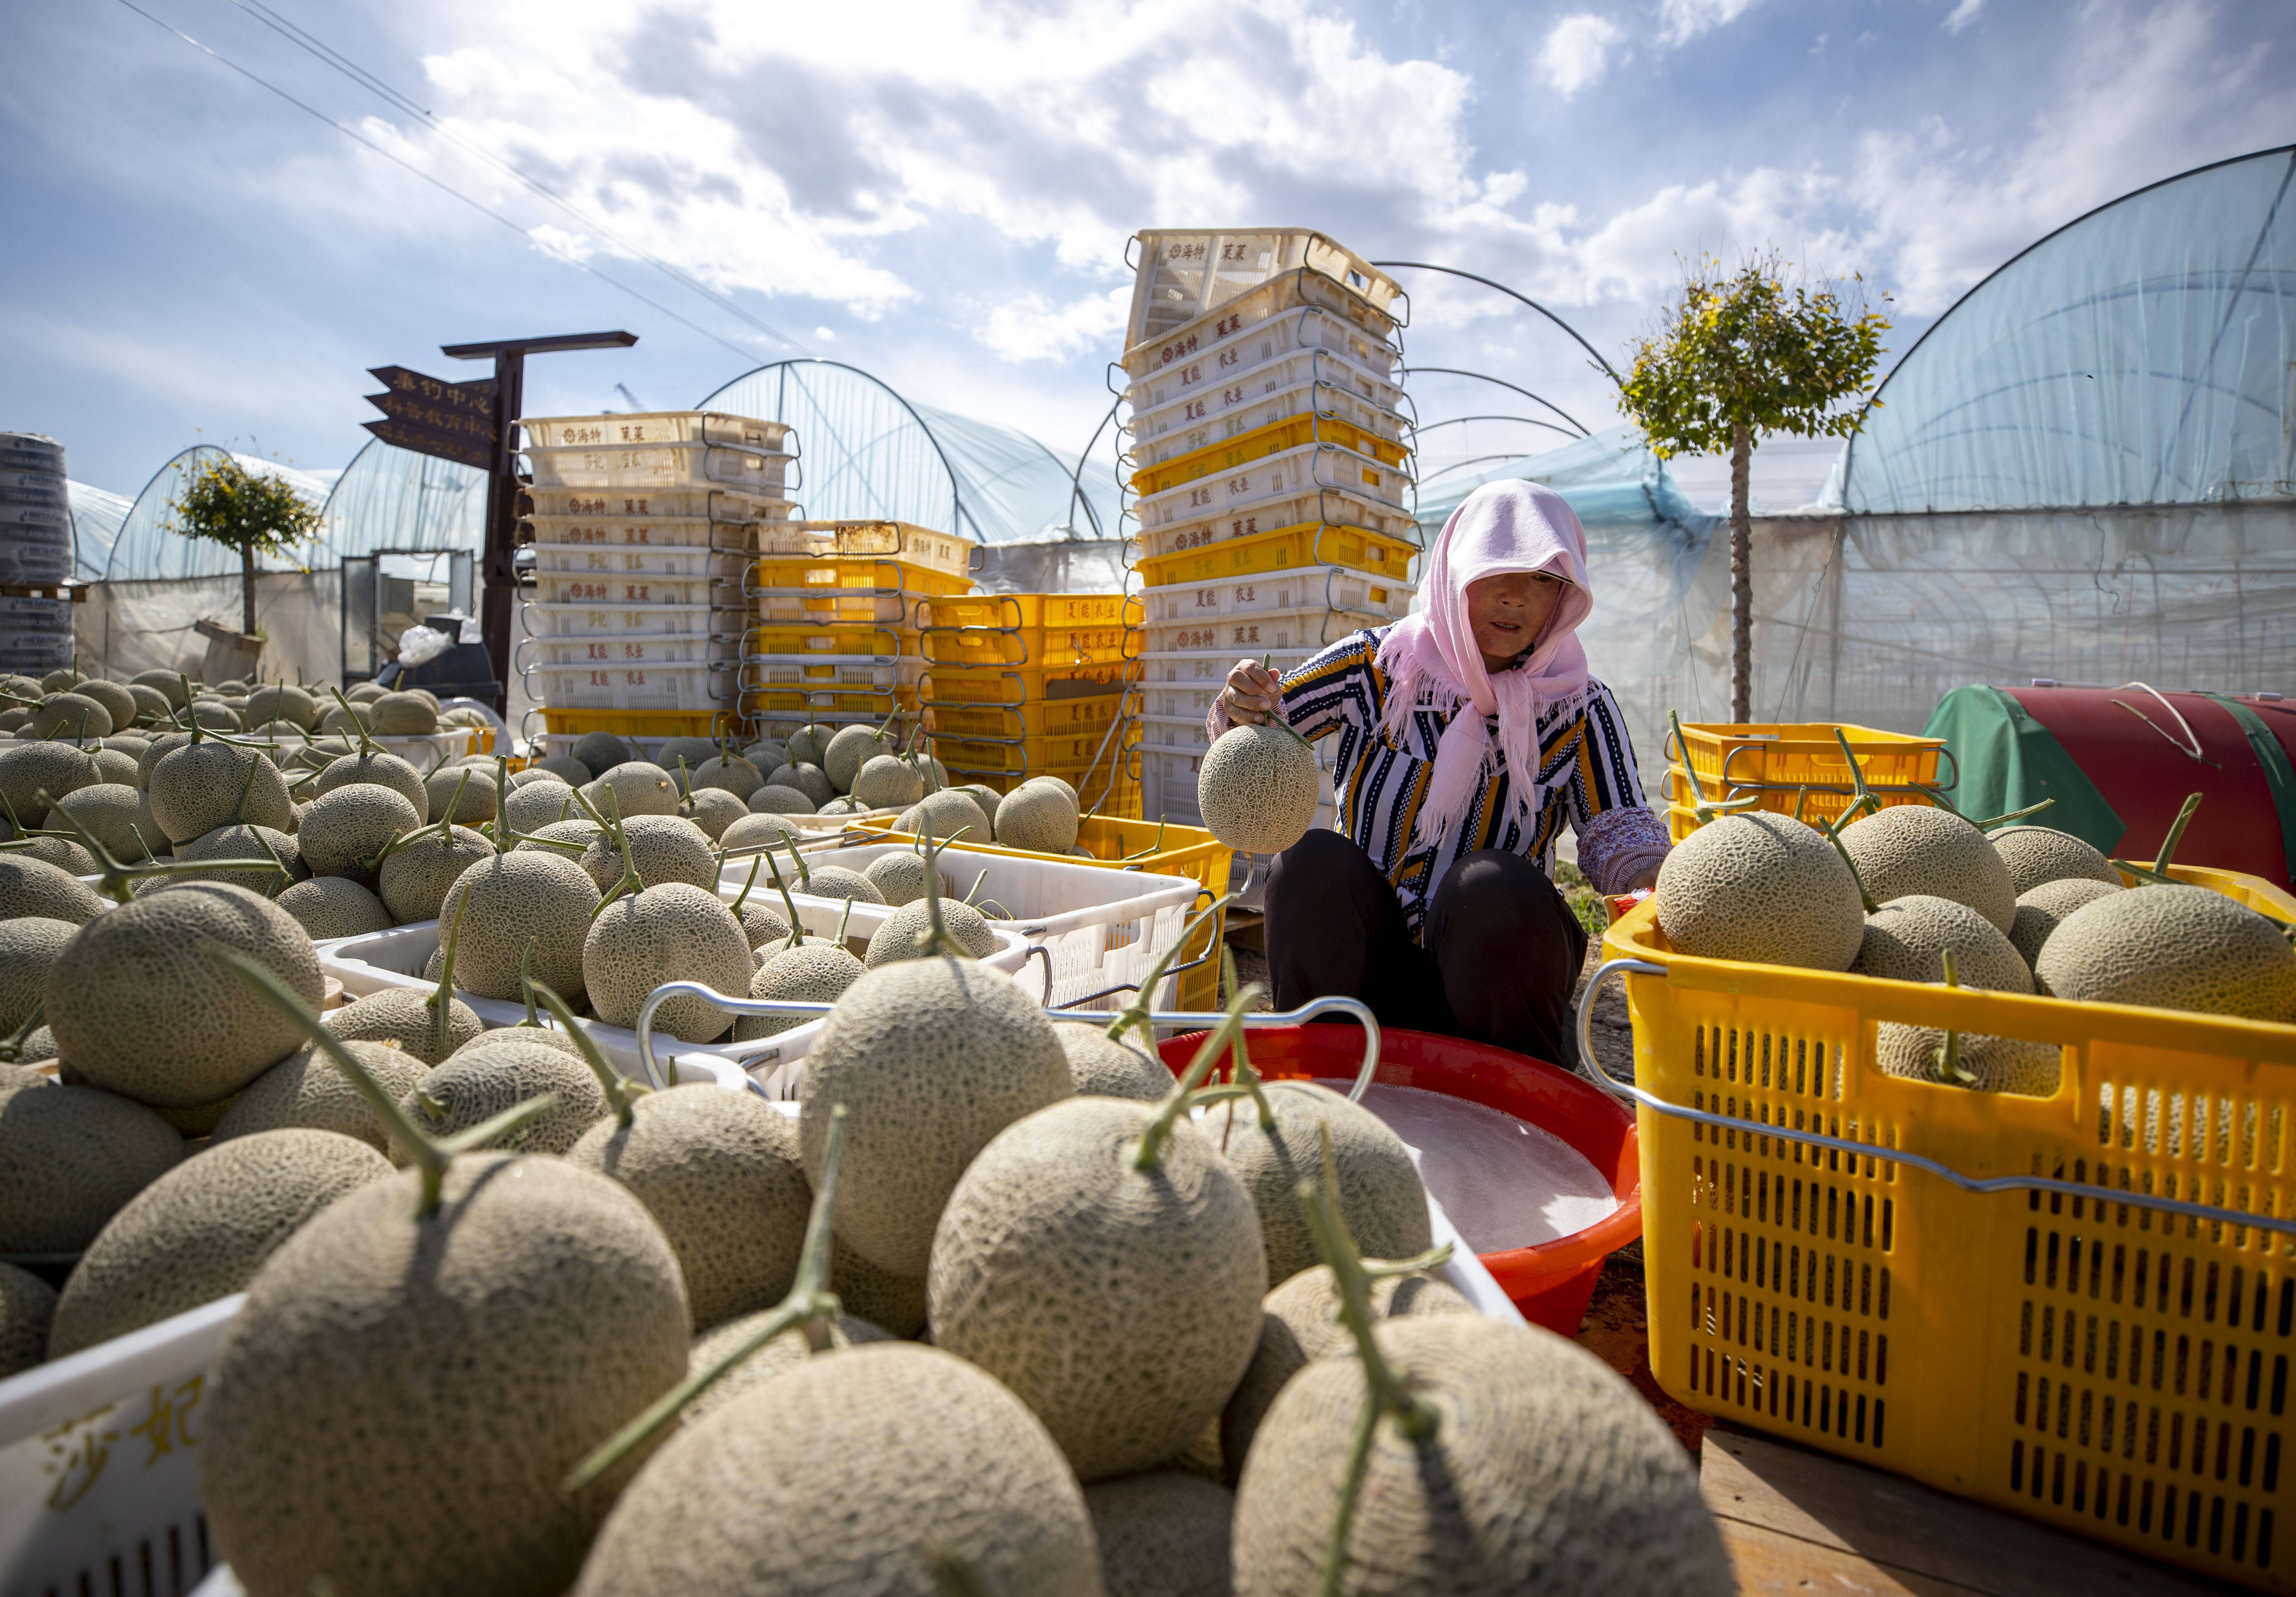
(13, 1048)
(1948, 1058)
(631, 881)
(359, 728)
(2156, 875)
(430, 1154)
(1386, 1392)
(797, 927)
(190, 714)
(2014, 814)
(1155, 847)
(526, 984)
(804, 876)
(441, 1002)
(1864, 896)
(1149, 1152)
(1701, 806)
(936, 935)
(502, 806)
(844, 916)
(810, 1305)
(746, 886)
(1856, 775)
(621, 1096)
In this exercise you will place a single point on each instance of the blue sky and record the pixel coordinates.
(941, 192)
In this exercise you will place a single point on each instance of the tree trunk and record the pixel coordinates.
(1742, 579)
(247, 590)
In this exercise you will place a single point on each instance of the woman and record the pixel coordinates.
(1468, 732)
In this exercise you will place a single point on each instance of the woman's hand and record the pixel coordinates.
(1250, 694)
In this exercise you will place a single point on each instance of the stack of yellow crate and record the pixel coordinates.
(1018, 685)
(1270, 470)
(833, 620)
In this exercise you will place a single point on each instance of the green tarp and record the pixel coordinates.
(2008, 760)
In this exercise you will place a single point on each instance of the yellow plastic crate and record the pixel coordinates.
(638, 723)
(1019, 684)
(852, 642)
(2067, 1355)
(1776, 760)
(1031, 629)
(1019, 718)
(1309, 544)
(842, 592)
(1022, 757)
(1288, 433)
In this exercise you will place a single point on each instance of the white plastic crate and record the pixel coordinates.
(625, 592)
(1198, 421)
(1222, 361)
(940, 551)
(657, 427)
(1287, 474)
(644, 532)
(633, 650)
(651, 505)
(1184, 275)
(693, 689)
(1100, 927)
(1292, 635)
(1336, 507)
(662, 466)
(626, 620)
(1212, 661)
(594, 560)
(1298, 588)
(395, 959)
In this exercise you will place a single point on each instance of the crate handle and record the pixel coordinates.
(1207, 1020)
(1592, 1068)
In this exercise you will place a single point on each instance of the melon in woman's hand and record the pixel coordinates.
(1257, 788)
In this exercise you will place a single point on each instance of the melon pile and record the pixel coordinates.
(1918, 894)
(1003, 1309)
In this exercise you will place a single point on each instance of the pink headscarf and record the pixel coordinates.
(1501, 526)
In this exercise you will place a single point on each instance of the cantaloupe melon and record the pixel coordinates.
(728, 773)
(306, 1090)
(471, 1089)
(2041, 909)
(951, 815)
(72, 716)
(35, 776)
(139, 1005)
(334, 906)
(529, 914)
(848, 750)
(898, 876)
(28, 1305)
(774, 799)
(1520, 1417)
(1039, 818)
(1380, 1194)
(639, 788)
(674, 932)
(895, 1303)
(1103, 1068)
(2038, 854)
(904, 934)
(532, 805)
(2172, 947)
(281, 702)
(1987, 1064)
(720, 1173)
(29, 946)
(1120, 1303)
(1300, 1323)
(386, 770)
(1760, 887)
(887, 782)
(890, 1469)
(406, 715)
(111, 811)
(1257, 788)
(238, 841)
(934, 1057)
(786, 1351)
(348, 826)
(1163, 1534)
(1913, 848)
(118, 703)
(413, 881)
(461, 793)
(807, 745)
(1904, 940)
(33, 887)
(810, 973)
(663, 848)
(808, 779)
(70, 1157)
(758, 831)
(204, 785)
(713, 810)
(200, 1231)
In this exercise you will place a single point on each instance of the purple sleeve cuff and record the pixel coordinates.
(1619, 845)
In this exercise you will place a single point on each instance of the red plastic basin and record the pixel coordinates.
(1552, 1283)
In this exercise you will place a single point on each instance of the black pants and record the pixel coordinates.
(1498, 963)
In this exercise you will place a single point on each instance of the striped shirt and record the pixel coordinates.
(1380, 787)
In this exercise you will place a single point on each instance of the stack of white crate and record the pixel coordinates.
(1270, 466)
(642, 529)
(36, 552)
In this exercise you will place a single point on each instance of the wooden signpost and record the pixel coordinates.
(472, 422)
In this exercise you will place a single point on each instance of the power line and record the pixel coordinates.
(435, 181)
(305, 40)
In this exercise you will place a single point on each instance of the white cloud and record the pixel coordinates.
(560, 244)
(1963, 15)
(1679, 22)
(1578, 51)
(1030, 327)
(827, 335)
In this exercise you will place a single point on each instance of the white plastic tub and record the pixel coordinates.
(650, 505)
(662, 466)
(1186, 275)
(640, 561)
(1286, 475)
(693, 688)
(1255, 396)
(1298, 588)
(657, 427)
(624, 620)
(1100, 928)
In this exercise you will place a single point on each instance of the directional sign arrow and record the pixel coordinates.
(477, 397)
(476, 452)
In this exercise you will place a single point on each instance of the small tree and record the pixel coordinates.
(1741, 355)
(253, 512)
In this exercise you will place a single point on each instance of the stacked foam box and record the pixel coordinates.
(35, 551)
(835, 618)
(1270, 470)
(1018, 685)
(641, 533)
